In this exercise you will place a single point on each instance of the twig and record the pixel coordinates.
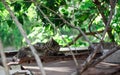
(87, 33)
(74, 58)
(3, 57)
(19, 25)
(53, 25)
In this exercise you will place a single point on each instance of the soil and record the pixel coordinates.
(68, 68)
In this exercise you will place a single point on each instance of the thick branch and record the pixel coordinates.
(95, 62)
(19, 25)
(105, 55)
(86, 64)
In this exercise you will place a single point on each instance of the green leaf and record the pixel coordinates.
(17, 7)
(10, 23)
(2, 6)
(20, 18)
(27, 4)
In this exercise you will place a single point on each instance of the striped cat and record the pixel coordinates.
(49, 48)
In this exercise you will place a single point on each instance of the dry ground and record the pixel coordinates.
(68, 67)
(54, 68)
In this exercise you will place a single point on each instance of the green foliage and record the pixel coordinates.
(1, 7)
(77, 12)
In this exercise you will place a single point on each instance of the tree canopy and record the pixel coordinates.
(43, 19)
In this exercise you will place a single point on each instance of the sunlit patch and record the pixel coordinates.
(114, 24)
(59, 69)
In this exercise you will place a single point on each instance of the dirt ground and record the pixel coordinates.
(54, 68)
(68, 68)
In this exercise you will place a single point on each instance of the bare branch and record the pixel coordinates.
(89, 33)
(3, 57)
(19, 25)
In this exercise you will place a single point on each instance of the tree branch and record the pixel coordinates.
(90, 24)
(79, 35)
(89, 59)
(109, 20)
(95, 62)
(86, 64)
(92, 55)
(98, 5)
(109, 30)
(19, 25)
(111, 51)
(3, 57)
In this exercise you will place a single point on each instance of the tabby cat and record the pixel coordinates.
(49, 48)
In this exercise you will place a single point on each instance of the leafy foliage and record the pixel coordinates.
(77, 12)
